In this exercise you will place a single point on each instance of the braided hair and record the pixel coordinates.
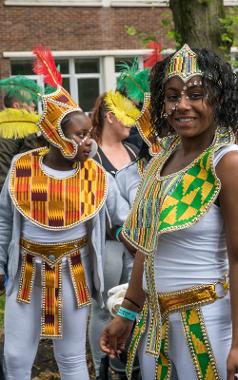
(98, 117)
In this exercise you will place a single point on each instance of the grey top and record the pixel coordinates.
(128, 179)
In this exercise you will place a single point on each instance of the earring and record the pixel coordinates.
(165, 115)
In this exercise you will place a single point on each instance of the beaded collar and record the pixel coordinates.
(53, 203)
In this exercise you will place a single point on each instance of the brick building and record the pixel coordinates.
(88, 38)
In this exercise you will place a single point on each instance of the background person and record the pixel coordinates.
(18, 120)
(110, 130)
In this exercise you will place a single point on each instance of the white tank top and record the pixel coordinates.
(194, 255)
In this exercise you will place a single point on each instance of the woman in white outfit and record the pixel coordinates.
(183, 224)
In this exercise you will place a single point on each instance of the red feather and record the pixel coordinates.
(156, 55)
(45, 65)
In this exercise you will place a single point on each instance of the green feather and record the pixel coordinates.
(21, 88)
(49, 89)
(133, 82)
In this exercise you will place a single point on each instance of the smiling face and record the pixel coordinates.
(187, 107)
(78, 128)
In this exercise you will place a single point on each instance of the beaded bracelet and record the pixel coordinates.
(118, 231)
(128, 314)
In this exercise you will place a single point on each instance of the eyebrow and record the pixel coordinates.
(188, 87)
(173, 88)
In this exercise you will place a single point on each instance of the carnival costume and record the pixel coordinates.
(52, 243)
(185, 326)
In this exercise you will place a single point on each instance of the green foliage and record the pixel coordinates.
(165, 24)
(228, 27)
(143, 37)
(229, 35)
(231, 22)
(204, 2)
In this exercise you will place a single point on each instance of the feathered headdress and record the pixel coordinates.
(135, 84)
(55, 105)
(155, 56)
(132, 81)
(19, 123)
(21, 88)
(122, 107)
(45, 65)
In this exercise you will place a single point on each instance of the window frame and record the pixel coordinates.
(106, 76)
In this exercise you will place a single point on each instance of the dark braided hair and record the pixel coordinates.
(219, 80)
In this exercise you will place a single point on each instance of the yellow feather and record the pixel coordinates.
(17, 123)
(123, 108)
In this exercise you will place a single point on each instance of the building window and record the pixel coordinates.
(87, 74)
(81, 77)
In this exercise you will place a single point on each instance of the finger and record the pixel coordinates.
(113, 343)
(103, 343)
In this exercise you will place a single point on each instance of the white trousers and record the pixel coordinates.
(22, 334)
(217, 318)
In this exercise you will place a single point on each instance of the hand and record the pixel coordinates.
(232, 364)
(2, 287)
(115, 335)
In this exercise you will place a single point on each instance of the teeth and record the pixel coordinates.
(185, 119)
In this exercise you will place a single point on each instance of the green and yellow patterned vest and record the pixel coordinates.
(165, 204)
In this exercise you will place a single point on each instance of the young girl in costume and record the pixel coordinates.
(183, 225)
(52, 225)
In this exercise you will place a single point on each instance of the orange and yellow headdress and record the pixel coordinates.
(55, 105)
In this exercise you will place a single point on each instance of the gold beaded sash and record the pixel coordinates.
(195, 296)
(188, 303)
(51, 280)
